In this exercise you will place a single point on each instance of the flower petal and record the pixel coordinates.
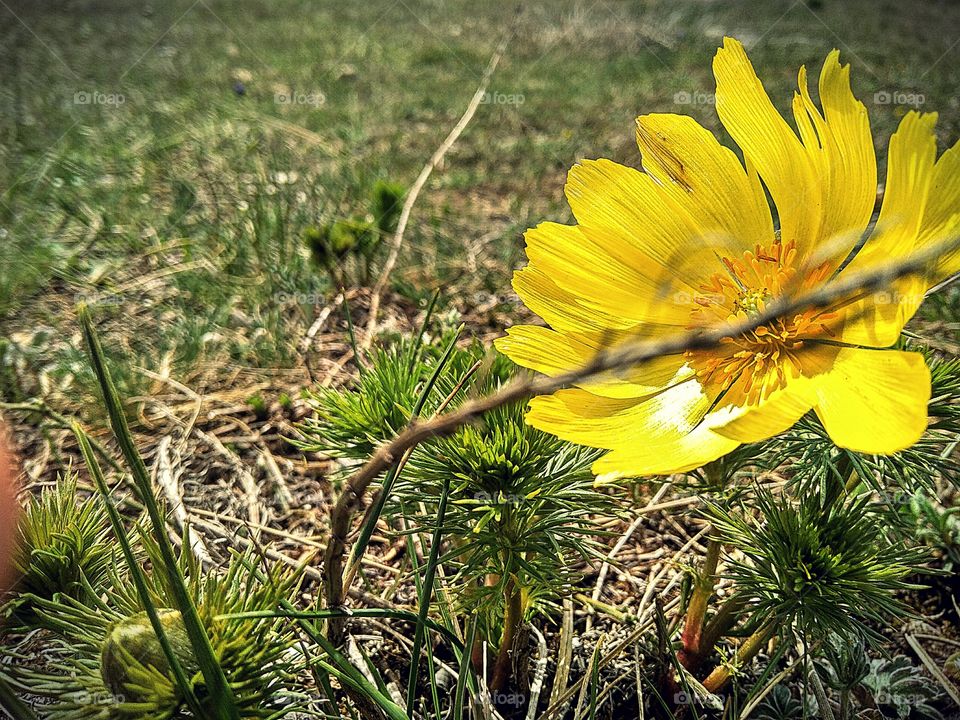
(666, 455)
(552, 353)
(877, 320)
(582, 417)
(563, 310)
(771, 417)
(941, 217)
(630, 213)
(911, 160)
(778, 412)
(605, 274)
(769, 145)
(875, 401)
(706, 180)
(840, 145)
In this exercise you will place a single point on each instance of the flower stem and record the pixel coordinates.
(512, 617)
(721, 623)
(844, 482)
(823, 703)
(853, 479)
(752, 645)
(694, 649)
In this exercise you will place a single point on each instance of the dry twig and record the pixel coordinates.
(611, 556)
(934, 669)
(418, 184)
(166, 473)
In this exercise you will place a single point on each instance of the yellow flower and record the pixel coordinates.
(690, 242)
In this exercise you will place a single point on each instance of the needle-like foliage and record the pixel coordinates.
(815, 567)
(816, 461)
(935, 526)
(351, 422)
(520, 500)
(64, 544)
(106, 662)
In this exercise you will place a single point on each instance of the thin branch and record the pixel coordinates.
(624, 356)
(418, 184)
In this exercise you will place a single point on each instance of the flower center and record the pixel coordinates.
(751, 366)
(752, 302)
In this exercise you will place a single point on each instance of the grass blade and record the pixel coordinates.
(222, 703)
(426, 592)
(136, 572)
(418, 343)
(466, 671)
(376, 509)
(345, 671)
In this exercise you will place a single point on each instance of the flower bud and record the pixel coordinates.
(131, 647)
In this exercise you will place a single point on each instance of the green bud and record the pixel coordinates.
(131, 649)
(259, 406)
(346, 235)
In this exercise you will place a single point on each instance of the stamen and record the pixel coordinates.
(763, 360)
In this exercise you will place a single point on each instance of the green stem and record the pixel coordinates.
(692, 637)
(426, 592)
(853, 479)
(823, 703)
(606, 608)
(844, 704)
(844, 482)
(722, 622)
(752, 645)
(512, 617)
